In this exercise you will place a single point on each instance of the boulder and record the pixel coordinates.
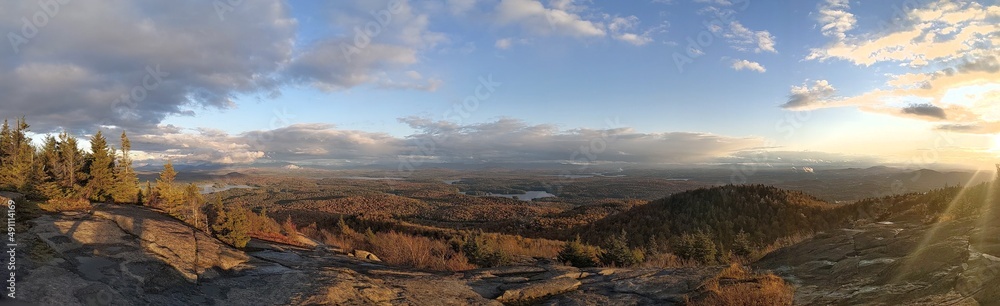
(188, 250)
(537, 290)
(365, 255)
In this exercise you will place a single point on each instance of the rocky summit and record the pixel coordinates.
(129, 255)
(893, 263)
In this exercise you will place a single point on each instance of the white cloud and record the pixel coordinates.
(534, 17)
(835, 19)
(359, 57)
(809, 96)
(504, 140)
(746, 40)
(503, 43)
(950, 49)
(920, 39)
(748, 65)
(459, 7)
(91, 55)
(620, 28)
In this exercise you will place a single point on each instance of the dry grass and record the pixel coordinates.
(737, 285)
(56, 205)
(402, 249)
(518, 246)
(418, 252)
(668, 260)
(779, 244)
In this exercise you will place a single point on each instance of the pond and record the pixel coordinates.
(368, 178)
(210, 188)
(527, 196)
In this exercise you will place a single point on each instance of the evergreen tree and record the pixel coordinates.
(619, 254)
(217, 214)
(230, 226)
(6, 156)
(101, 169)
(193, 200)
(16, 157)
(167, 196)
(575, 253)
(698, 246)
(47, 161)
(70, 170)
(126, 189)
(482, 253)
(742, 246)
(150, 195)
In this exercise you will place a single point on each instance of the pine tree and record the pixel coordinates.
(101, 169)
(230, 226)
(576, 254)
(193, 201)
(168, 196)
(47, 160)
(619, 254)
(126, 189)
(150, 195)
(70, 170)
(6, 155)
(216, 215)
(17, 157)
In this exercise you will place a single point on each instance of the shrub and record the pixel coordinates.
(698, 246)
(743, 287)
(618, 253)
(742, 246)
(482, 253)
(66, 204)
(577, 254)
(232, 227)
(417, 252)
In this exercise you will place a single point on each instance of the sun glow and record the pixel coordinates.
(996, 145)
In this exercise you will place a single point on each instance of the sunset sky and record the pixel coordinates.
(655, 82)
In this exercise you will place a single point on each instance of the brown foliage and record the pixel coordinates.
(737, 285)
(65, 205)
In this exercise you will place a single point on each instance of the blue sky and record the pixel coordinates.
(828, 81)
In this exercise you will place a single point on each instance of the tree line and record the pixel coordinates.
(59, 171)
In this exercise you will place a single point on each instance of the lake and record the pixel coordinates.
(210, 188)
(527, 196)
(368, 178)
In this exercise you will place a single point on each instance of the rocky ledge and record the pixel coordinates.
(889, 263)
(128, 255)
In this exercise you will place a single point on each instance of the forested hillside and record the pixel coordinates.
(731, 217)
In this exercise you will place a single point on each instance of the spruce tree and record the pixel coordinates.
(167, 195)
(16, 157)
(126, 188)
(71, 161)
(101, 167)
(6, 155)
(48, 162)
(193, 200)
